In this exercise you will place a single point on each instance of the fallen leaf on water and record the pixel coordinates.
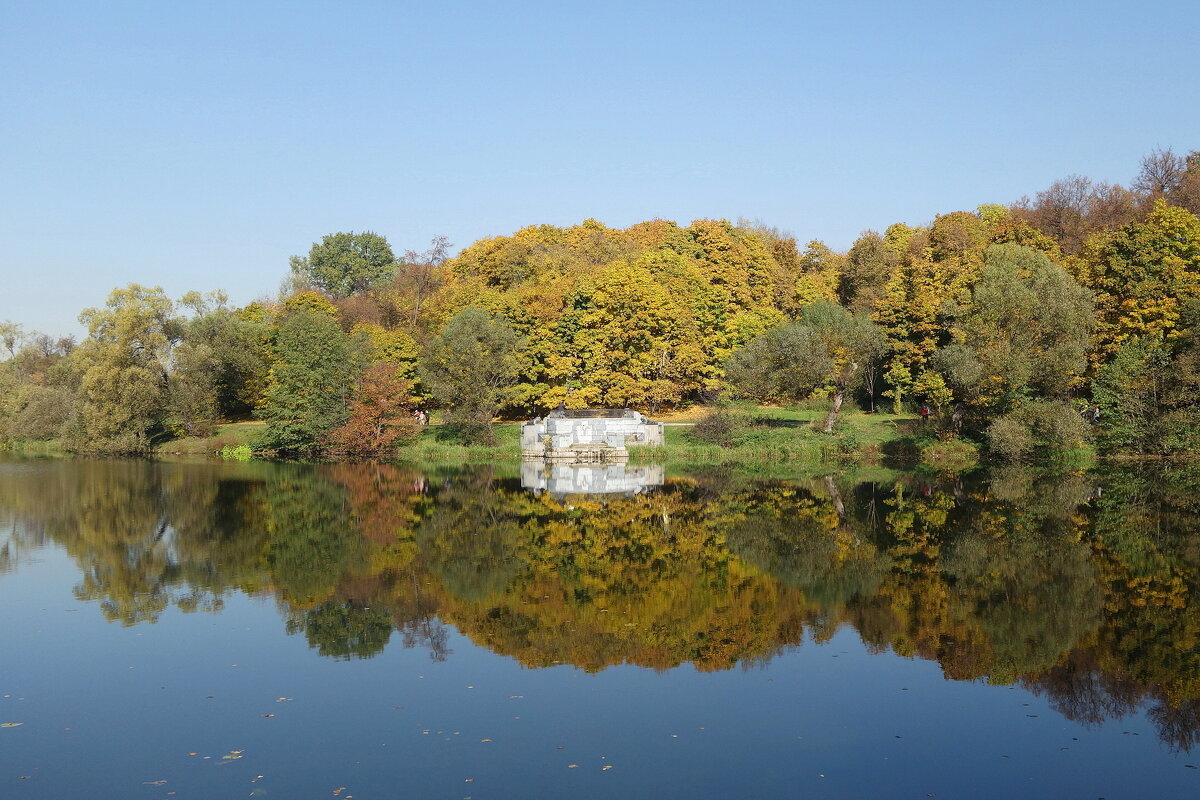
(153, 783)
(606, 766)
(572, 766)
(267, 715)
(10, 724)
(283, 700)
(485, 740)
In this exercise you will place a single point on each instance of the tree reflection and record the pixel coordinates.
(1080, 587)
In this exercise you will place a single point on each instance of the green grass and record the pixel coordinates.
(432, 444)
(230, 434)
(784, 442)
(793, 433)
(34, 448)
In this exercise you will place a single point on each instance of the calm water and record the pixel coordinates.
(353, 631)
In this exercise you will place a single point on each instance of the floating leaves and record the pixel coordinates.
(11, 724)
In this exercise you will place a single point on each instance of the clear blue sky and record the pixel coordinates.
(196, 145)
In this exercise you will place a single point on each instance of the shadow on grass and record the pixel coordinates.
(769, 422)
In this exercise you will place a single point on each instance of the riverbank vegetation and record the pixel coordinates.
(1038, 328)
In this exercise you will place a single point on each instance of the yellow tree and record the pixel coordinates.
(1142, 274)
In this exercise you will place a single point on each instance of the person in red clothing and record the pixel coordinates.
(924, 414)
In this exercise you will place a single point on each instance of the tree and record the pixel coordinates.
(824, 350)
(192, 390)
(623, 340)
(1161, 174)
(308, 385)
(1149, 393)
(420, 275)
(469, 368)
(1142, 275)
(1024, 332)
(123, 366)
(869, 265)
(11, 335)
(227, 354)
(380, 414)
(347, 263)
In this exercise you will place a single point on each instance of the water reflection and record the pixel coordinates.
(1089, 598)
(561, 480)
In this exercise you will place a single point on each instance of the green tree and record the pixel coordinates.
(230, 353)
(469, 369)
(123, 366)
(347, 263)
(1149, 394)
(309, 385)
(825, 350)
(869, 266)
(1023, 333)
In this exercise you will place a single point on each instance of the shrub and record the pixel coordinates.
(721, 426)
(241, 452)
(1039, 426)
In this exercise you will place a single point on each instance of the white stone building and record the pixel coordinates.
(588, 434)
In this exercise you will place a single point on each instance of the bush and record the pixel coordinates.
(846, 439)
(721, 426)
(1038, 427)
(241, 452)
(43, 412)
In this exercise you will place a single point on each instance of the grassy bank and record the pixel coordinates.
(792, 437)
(766, 438)
(431, 444)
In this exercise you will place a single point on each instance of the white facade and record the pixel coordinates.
(588, 435)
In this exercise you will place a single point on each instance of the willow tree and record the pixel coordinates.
(1023, 334)
(123, 367)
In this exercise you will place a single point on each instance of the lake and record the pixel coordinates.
(213, 630)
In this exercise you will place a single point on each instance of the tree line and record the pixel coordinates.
(1060, 318)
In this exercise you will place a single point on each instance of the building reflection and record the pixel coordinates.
(617, 480)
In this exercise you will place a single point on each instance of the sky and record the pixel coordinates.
(197, 145)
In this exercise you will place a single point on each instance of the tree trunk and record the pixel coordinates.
(956, 418)
(835, 406)
(835, 496)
